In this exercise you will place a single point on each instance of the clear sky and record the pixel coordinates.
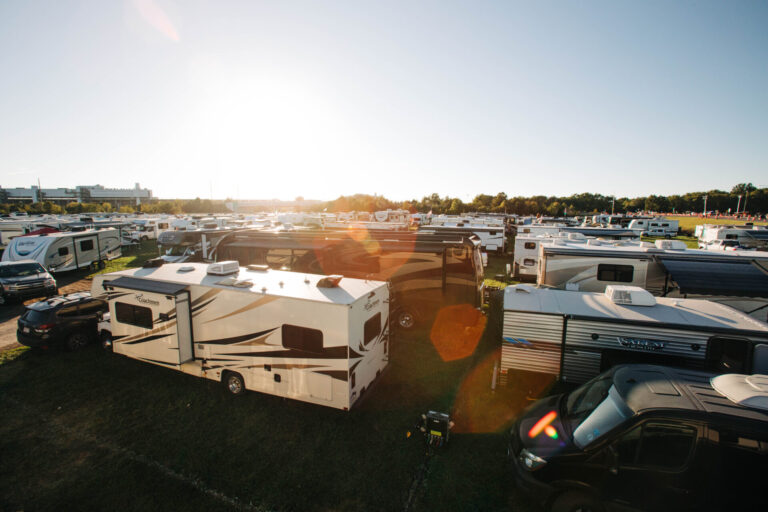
(278, 99)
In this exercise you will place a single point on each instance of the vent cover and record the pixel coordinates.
(629, 296)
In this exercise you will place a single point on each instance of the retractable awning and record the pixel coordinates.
(145, 285)
(742, 278)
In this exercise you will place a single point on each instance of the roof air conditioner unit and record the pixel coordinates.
(674, 245)
(629, 295)
(594, 241)
(223, 268)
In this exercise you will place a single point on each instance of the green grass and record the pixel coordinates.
(689, 223)
(691, 241)
(9, 355)
(98, 431)
(131, 258)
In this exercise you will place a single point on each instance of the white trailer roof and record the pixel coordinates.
(268, 282)
(694, 313)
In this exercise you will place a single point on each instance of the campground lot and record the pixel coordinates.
(98, 431)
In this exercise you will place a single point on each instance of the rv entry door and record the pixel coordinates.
(184, 327)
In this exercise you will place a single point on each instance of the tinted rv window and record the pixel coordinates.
(63, 251)
(530, 245)
(616, 273)
(372, 328)
(86, 245)
(133, 315)
(301, 338)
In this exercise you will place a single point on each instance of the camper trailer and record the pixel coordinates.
(656, 227)
(193, 245)
(427, 270)
(60, 252)
(576, 335)
(665, 268)
(319, 339)
(721, 237)
(492, 239)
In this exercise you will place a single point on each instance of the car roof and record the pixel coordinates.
(18, 262)
(647, 388)
(59, 301)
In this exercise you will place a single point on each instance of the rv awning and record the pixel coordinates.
(731, 278)
(145, 285)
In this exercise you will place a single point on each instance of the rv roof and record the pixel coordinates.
(269, 282)
(691, 313)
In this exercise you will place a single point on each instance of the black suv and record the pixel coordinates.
(644, 437)
(68, 321)
(24, 279)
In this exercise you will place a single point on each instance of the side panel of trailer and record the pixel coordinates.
(590, 273)
(531, 342)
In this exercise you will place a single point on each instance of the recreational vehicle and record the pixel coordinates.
(60, 252)
(719, 237)
(492, 239)
(193, 245)
(665, 268)
(655, 227)
(320, 339)
(576, 335)
(427, 270)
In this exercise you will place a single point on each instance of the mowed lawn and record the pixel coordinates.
(99, 431)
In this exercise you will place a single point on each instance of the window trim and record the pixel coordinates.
(132, 320)
(602, 268)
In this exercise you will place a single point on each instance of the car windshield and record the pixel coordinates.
(21, 270)
(582, 401)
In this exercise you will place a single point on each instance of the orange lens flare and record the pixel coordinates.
(543, 423)
(457, 331)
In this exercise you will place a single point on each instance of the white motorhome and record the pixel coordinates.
(60, 252)
(656, 227)
(492, 239)
(576, 335)
(320, 339)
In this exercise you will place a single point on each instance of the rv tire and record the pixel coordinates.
(234, 383)
(76, 341)
(144, 238)
(576, 501)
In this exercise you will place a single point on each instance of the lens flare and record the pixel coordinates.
(542, 424)
(457, 331)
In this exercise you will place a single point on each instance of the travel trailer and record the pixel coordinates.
(60, 252)
(319, 339)
(193, 245)
(492, 239)
(721, 237)
(665, 268)
(656, 227)
(576, 335)
(427, 270)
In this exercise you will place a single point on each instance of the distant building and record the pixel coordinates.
(117, 197)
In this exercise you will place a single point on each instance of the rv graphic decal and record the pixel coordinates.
(141, 298)
(255, 338)
(262, 301)
(517, 341)
(640, 344)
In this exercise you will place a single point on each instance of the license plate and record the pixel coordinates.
(25, 329)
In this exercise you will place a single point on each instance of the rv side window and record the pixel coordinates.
(372, 328)
(731, 237)
(86, 245)
(530, 245)
(133, 315)
(616, 273)
(63, 251)
(528, 262)
(301, 338)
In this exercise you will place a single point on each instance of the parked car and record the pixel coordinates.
(644, 437)
(69, 321)
(24, 279)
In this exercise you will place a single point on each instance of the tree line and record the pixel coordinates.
(753, 200)
(175, 206)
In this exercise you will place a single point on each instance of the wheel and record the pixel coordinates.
(144, 238)
(405, 319)
(576, 501)
(76, 341)
(235, 383)
(106, 341)
(101, 264)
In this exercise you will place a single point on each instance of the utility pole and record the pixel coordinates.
(705, 205)
(746, 198)
(738, 205)
(613, 201)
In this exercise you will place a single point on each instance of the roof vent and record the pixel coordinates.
(153, 263)
(223, 268)
(746, 390)
(258, 268)
(576, 236)
(594, 241)
(629, 295)
(329, 281)
(671, 245)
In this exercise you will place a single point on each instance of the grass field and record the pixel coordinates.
(98, 431)
(689, 223)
